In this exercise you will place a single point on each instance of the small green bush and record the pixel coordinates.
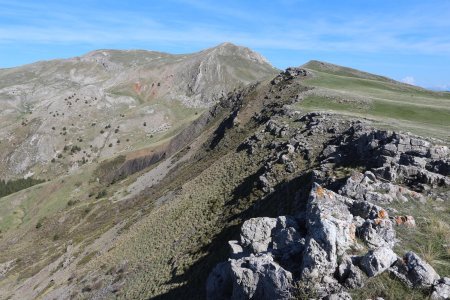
(101, 194)
(38, 224)
(75, 149)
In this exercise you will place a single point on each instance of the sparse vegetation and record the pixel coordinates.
(87, 258)
(431, 238)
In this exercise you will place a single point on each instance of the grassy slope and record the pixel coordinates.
(360, 94)
(49, 216)
(171, 249)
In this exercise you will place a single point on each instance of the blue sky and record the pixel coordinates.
(405, 40)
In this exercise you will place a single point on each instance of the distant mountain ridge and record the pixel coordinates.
(52, 105)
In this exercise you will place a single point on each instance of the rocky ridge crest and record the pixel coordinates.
(337, 239)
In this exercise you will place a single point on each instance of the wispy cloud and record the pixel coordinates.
(409, 80)
(63, 24)
(443, 87)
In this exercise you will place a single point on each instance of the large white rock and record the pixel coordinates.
(441, 289)
(252, 277)
(377, 261)
(256, 233)
(330, 232)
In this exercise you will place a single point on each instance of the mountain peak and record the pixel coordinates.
(228, 48)
(226, 45)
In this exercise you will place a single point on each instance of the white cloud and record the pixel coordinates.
(409, 80)
(442, 87)
(371, 33)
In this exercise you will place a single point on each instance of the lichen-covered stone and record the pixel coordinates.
(378, 260)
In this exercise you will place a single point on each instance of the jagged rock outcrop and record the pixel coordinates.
(316, 246)
(378, 232)
(256, 234)
(251, 277)
(414, 271)
(331, 232)
(307, 248)
(378, 260)
(367, 187)
(441, 289)
(394, 156)
(289, 74)
(348, 274)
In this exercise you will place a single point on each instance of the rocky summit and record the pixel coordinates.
(145, 175)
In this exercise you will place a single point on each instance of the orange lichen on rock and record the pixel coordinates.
(405, 220)
(320, 191)
(382, 214)
(399, 220)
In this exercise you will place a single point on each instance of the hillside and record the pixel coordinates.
(393, 104)
(304, 184)
(58, 115)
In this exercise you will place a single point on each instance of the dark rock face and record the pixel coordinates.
(348, 274)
